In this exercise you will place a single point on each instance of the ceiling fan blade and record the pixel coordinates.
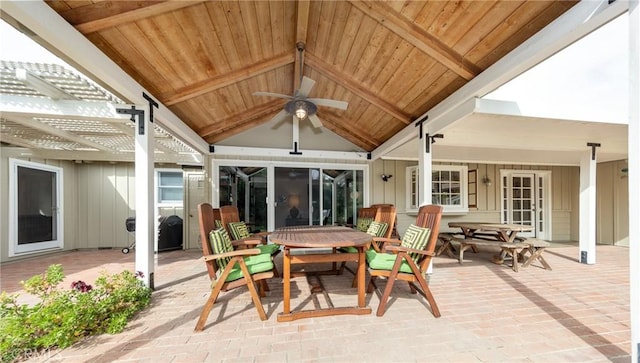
(329, 103)
(315, 121)
(280, 116)
(305, 86)
(271, 94)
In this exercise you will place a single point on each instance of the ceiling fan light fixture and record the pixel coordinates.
(301, 110)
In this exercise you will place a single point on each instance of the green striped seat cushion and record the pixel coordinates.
(221, 243)
(363, 224)
(238, 230)
(255, 264)
(415, 237)
(218, 223)
(269, 249)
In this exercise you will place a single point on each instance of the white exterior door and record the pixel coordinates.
(526, 201)
(35, 200)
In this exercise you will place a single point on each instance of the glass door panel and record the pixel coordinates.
(293, 204)
(35, 198)
(245, 188)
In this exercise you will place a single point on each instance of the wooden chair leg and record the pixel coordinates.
(252, 290)
(371, 286)
(215, 292)
(390, 281)
(208, 306)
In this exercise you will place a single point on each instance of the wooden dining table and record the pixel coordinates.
(322, 242)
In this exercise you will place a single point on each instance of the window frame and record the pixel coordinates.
(158, 188)
(413, 192)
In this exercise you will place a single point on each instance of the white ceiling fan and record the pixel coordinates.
(299, 105)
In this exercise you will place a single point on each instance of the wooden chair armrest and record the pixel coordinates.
(380, 242)
(247, 242)
(245, 252)
(396, 249)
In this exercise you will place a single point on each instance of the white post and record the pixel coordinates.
(587, 215)
(634, 176)
(145, 224)
(425, 168)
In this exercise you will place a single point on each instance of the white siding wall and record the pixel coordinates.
(564, 184)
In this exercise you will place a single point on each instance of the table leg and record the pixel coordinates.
(286, 281)
(361, 273)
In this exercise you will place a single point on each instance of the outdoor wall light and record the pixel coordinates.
(386, 177)
(486, 181)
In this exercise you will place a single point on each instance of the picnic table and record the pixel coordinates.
(502, 235)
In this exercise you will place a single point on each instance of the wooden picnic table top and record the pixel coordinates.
(319, 237)
(479, 226)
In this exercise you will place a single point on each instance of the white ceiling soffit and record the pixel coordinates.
(489, 131)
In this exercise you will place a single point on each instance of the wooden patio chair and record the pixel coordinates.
(229, 268)
(238, 231)
(364, 217)
(394, 230)
(381, 231)
(408, 260)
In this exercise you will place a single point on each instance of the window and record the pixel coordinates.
(448, 188)
(170, 187)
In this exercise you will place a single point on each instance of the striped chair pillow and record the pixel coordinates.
(415, 237)
(221, 243)
(377, 229)
(238, 230)
(363, 224)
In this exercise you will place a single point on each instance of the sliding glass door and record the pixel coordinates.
(273, 196)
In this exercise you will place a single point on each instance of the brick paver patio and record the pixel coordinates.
(574, 313)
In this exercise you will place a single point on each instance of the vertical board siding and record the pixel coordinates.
(564, 194)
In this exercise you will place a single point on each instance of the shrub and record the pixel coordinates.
(62, 317)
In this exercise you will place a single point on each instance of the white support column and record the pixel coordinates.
(587, 215)
(145, 225)
(634, 176)
(425, 167)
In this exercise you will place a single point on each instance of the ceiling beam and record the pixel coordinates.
(231, 125)
(355, 87)
(363, 139)
(132, 15)
(302, 24)
(419, 38)
(227, 79)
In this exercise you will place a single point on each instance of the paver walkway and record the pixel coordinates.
(574, 313)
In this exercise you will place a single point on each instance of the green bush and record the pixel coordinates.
(62, 317)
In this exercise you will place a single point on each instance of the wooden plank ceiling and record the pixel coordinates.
(392, 61)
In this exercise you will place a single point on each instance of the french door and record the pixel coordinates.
(35, 201)
(526, 201)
